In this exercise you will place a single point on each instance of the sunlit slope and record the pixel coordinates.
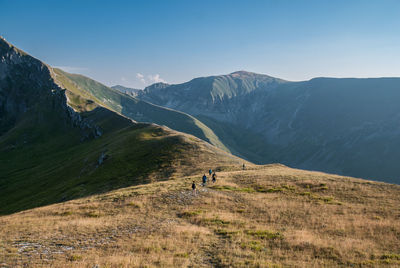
(135, 109)
(265, 216)
(55, 164)
(58, 144)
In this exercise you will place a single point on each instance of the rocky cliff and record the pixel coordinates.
(27, 87)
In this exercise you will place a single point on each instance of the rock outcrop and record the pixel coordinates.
(27, 86)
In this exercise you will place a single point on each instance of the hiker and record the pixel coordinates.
(214, 179)
(210, 171)
(244, 167)
(204, 180)
(194, 187)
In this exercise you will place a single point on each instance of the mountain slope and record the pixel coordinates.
(210, 96)
(343, 126)
(59, 144)
(135, 109)
(265, 216)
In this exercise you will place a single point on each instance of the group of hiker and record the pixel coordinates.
(212, 175)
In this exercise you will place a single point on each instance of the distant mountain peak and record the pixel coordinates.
(159, 85)
(242, 72)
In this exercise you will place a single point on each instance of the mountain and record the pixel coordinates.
(136, 109)
(211, 96)
(86, 186)
(127, 90)
(60, 142)
(343, 126)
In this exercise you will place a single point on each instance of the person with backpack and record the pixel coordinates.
(214, 177)
(210, 172)
(204, 180)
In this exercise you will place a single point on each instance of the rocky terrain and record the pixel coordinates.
(27, 87)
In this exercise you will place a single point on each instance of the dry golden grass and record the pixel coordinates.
(266, 216)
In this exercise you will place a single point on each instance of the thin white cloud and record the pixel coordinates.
(155, 78)
(149, 79)
(72, 69)
(141, 78)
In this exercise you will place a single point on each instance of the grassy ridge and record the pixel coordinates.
(45, 160)
(49, 154)
(265, 216)
(53, 164)
(135, 109)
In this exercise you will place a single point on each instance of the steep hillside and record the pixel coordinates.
(212, 96)
(270, 216)
(58, 144)
(343, 126)
(136, 109)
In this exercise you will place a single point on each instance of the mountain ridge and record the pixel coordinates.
(327, 124)
(139, 110)
(127, 90)
(59, 142)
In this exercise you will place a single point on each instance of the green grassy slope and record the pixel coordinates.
(52, 164)
(49, 162)
(135, 109)
(50, 153)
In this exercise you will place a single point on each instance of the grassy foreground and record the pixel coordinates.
(266, 216)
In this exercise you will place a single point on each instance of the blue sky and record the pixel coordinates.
(136, 43)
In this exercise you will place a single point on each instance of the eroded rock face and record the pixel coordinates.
(27, 87)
